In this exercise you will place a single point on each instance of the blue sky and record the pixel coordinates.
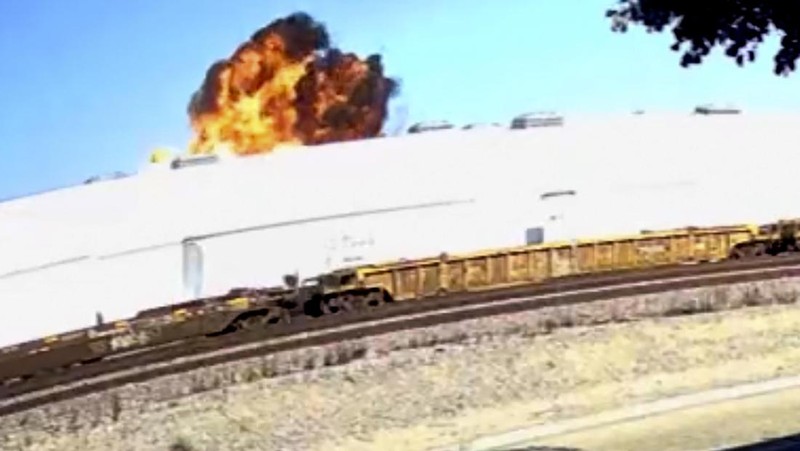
(92, 86)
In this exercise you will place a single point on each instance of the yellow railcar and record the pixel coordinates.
(506, 267)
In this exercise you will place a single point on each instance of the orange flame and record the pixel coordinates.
(287, 86)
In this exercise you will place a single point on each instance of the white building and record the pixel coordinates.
(163, 235)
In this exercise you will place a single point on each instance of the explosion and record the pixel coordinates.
(287, 85)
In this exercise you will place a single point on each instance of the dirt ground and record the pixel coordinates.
(437, 395)
(612, 365)
(742, 421)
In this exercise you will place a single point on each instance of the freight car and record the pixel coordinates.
(501, 268)
(370, 286)
(237, 310)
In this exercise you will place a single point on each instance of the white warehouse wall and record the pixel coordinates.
(128, 282)
(629, 173)
(261, 257)
(67, 296)
(39, 303)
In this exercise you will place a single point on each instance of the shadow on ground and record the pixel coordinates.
(785, 443)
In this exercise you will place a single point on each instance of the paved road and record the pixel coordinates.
(759, 422)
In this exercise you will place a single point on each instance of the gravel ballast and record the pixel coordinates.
(435, 386)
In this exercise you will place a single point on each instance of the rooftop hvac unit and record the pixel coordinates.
(481, 125)
(429, 126)
(194, 160)
(711, 109)
(537, 119)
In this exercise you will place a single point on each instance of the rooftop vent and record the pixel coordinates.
(711, 109)
(480, 125)
(537, 119)
(194, 160)
(429, 126)
(105, 177)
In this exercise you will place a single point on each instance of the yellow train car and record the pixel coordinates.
(507, 267)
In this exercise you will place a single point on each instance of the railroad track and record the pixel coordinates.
(305, 332)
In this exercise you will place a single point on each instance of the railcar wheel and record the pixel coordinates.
(347, 302)
(330, 306)
(758, 250)
(373, 300)
(338, 304)
(749, 251)
(326, 308)
(791, 248)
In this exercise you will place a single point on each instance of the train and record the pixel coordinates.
(187, 228)
(374, 285)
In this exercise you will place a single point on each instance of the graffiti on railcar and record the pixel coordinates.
(129, 340)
